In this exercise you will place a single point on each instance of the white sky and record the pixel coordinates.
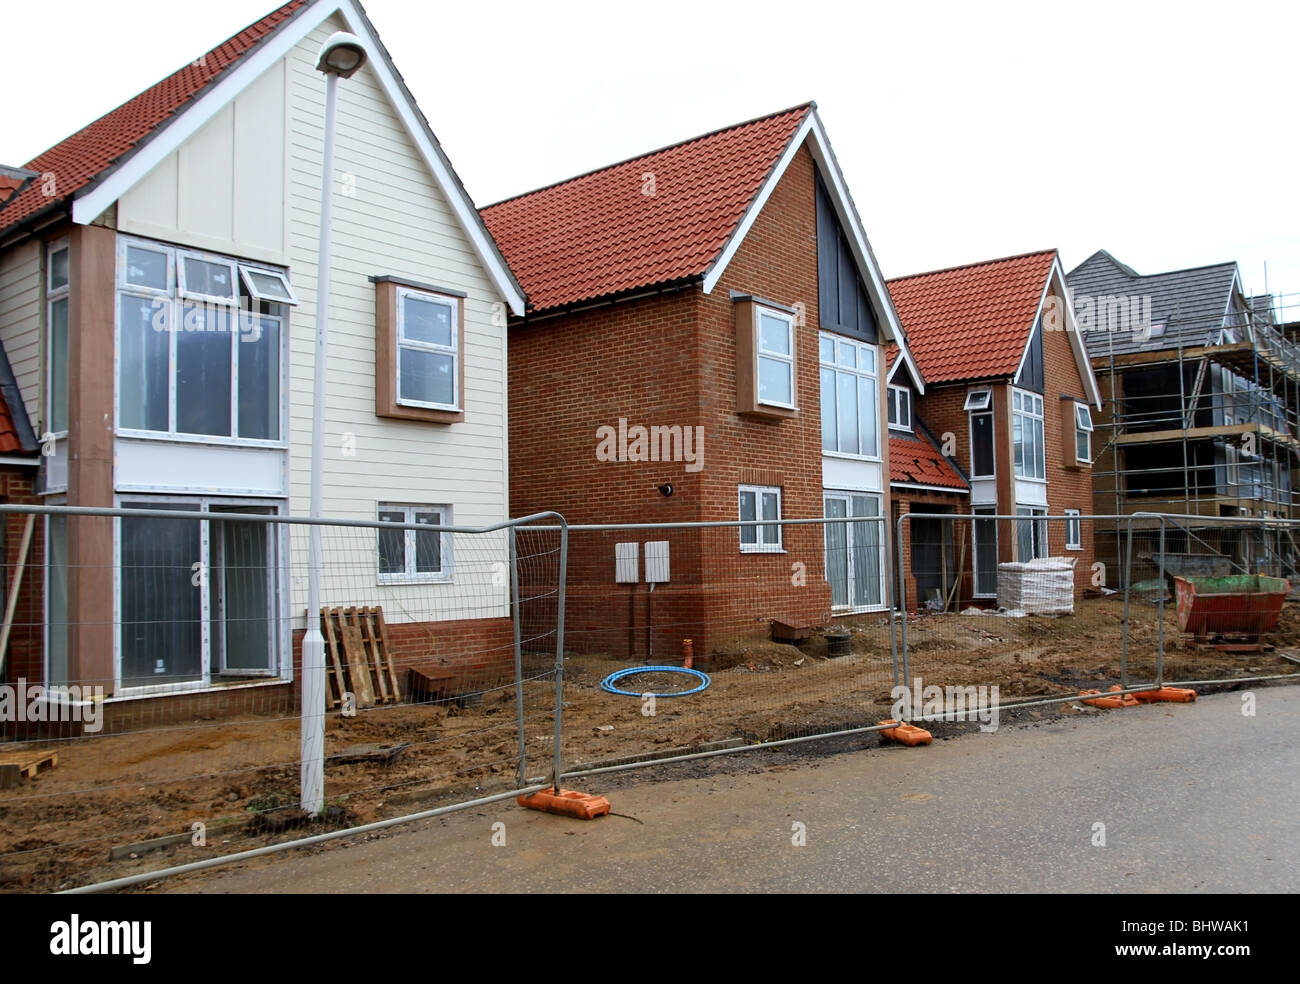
(1164, 133)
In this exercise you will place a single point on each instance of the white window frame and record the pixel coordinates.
(452, 350)
(900, 399)
(277, 580)
(176, 302)
(759, 545)
(410, 575)
(1073, 530)
(1083, 429)
(856, 371)
(1034, 415)
(245, 274)
(1035, 516)
(970, 424)
(847, 496)
(52, 296)
(761, 353)
(983, 512)
(978, 400)
(182, 287)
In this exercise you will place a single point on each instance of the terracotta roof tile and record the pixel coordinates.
(9, 443)
(971, 322)
(600, 234)
(84, 156)
(915, 461)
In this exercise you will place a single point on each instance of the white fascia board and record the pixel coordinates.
(1077, 346)
(1077, 343)
(868, 270)
(90, 203)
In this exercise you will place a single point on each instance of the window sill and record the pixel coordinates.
(851, 457)
(1032, 481)
(425, 414)
(762, 550)
(385, 581)
(212, 440)
(764, 411)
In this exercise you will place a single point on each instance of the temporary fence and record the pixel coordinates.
(467, 663)
(788, 620)
(1037, 608)
(152, 674)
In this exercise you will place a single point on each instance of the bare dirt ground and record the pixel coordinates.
(239, 778)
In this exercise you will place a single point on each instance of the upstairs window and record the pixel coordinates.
(850, 418)
(420, 351)
(1027, 435)
(57, 285)
(197, 357)
(775, 358)
(900, 407)
(1082, 434)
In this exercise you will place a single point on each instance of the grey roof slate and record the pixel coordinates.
(1190, 303)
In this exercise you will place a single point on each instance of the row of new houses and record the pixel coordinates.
(157, 296)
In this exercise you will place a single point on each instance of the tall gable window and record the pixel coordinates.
(979, 403)
(850, 419)
(1027, 435)
(197, 355)
(56, 320)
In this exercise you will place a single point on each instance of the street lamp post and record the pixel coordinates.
(340, 57)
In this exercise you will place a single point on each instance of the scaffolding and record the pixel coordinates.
(1207, 431)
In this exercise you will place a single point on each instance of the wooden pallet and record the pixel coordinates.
(12, 769)
(361, 658)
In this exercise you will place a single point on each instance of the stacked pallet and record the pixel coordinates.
(360, 657)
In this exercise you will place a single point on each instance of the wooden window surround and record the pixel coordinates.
(389, 292)
(748, 312)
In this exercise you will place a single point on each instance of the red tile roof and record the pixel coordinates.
(88, 153)
(971, 322)
(9, 442)
(602, 234)
(918, 462)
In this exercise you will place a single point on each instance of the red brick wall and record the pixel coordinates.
(25, 657)
(671, 360)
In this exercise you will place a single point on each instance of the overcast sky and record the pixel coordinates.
(1164, 133)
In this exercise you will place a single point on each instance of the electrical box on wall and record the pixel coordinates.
(626, 563)
(656, 562)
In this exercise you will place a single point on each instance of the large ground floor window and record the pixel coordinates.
(855, 555)
(1031, 535)
(198, 600)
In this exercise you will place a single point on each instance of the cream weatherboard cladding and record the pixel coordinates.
(390, 217)
(21, 299)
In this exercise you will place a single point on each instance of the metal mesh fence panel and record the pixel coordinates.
(789, 620)
(1045, 607)
(150, 711)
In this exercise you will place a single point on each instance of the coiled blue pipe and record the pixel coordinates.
(608, 684)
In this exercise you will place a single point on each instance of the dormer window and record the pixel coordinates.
(900, 408)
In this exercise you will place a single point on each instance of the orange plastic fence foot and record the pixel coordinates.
(1176, 695)
(1110, 703)
(567, 802)
(905, 734)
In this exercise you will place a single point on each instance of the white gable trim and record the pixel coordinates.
(91, 202)
(1090, 388)
(846, 212)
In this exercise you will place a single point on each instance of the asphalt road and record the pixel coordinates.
(1194, 798)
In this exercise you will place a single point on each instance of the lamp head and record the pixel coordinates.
(342, 54)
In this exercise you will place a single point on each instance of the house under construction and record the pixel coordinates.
(1201, 384)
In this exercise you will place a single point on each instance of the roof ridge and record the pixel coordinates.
(971, 266)
(808, 106)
